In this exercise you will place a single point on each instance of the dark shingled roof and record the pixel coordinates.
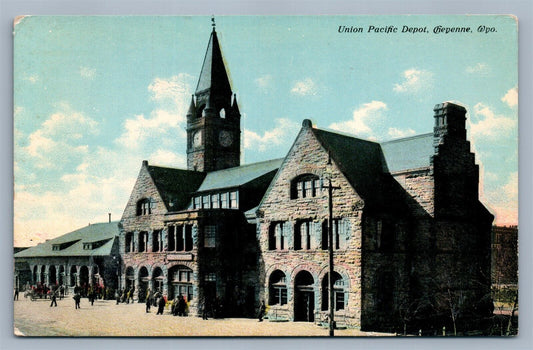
(365, 167)
(72, 243)
(408, 153)
(175, 185)
(361, 161)
(238, 176)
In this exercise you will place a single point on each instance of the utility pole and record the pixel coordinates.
(330, 251)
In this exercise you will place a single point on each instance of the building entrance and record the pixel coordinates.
(304, 298)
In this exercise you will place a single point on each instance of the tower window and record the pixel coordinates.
(210, 232)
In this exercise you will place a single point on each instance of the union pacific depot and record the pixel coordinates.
(410, 237)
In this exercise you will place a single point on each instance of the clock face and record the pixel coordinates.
(225, 138)
(197, 139)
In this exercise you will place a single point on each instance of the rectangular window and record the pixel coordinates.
(188, 237)
(214, 201)
(197, 202)
(316, 188)
(210, 236)
(224, 200)
(339, 300)
(233, 200)
(205, 202)
(210, 277)
(308, 188)
(300, 189)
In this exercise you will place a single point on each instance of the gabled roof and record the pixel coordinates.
(238, 176)
(73, 242)
(361, 161)
(175, 185)
(213, 75)
(408, 153)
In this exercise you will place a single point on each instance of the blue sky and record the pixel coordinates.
(94, 96)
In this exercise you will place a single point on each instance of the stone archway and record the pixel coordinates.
(158, 279)
(144, 280)
(73, 276)
(52, 275)
(304, 297)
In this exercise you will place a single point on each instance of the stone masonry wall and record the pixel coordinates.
(308, 156)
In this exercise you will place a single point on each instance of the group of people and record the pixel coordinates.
(125, 295)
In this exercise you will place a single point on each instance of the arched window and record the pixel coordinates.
(305, 186)
(338, 290)
(277, 288)
(145, 206)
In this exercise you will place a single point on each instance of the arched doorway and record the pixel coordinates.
(61, 275)
(84, 279)
(95, 281)
(73, 274)
(158, 279)
(43, 273)
(180, 282)
(130, 278)
(34, 275)
(304, 297)
(143, 283)
(53, 275)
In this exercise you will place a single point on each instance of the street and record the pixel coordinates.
(105, 318)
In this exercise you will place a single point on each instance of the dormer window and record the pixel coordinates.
(305, 186)
(56, 247)
(87, 246)
(145, 206)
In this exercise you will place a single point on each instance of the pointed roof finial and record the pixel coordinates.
(213, 22)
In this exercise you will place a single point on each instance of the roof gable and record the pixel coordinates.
(72, 243)
(175, 186)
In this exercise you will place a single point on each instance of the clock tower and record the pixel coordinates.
(213, 119)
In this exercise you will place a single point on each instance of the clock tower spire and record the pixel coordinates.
(213, 121)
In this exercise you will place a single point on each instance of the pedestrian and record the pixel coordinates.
(148, 304)
(61, 292)
(16, 296)
(160, 305)
(92, 296)
(262, 310)
(117, 295)
(132, 291)
(128, 296)
(77, 299)
(53, 297)
(181, 306)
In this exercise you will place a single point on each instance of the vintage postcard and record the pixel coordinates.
(266, 176)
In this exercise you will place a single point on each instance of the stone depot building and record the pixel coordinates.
(411, 239)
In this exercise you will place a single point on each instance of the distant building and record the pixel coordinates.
(85, 257)
(505, 255)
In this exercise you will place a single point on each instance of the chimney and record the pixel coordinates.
(109, 217)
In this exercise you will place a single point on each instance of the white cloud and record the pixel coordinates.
(362, 118)
(264, 81)
(304, 87)
(399, 133)
(167, 158)
(59, 138)
(163, 125)
(87, 72)
(415, 80)
(283, 131)
(503, 201)
(511, 97)
(486, 123)
(479, 68)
